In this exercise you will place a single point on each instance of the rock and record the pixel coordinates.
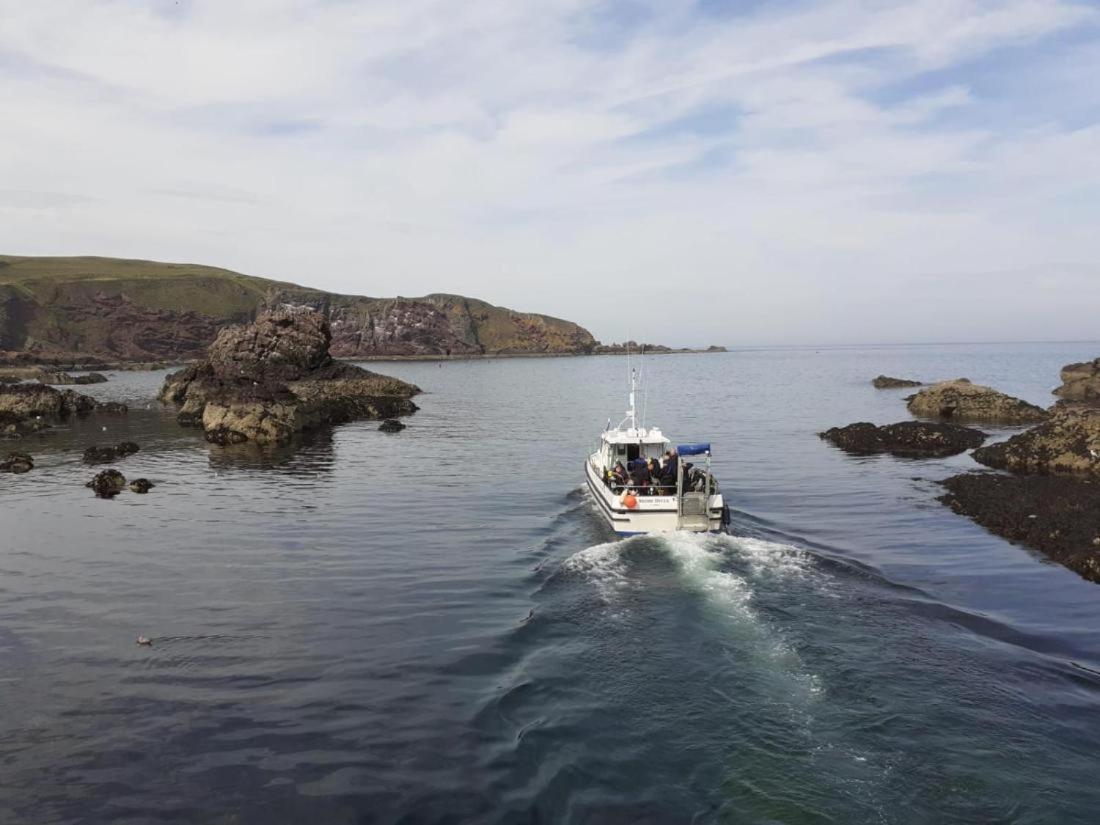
(17, 462)
(1080, 382)
(21, 401)
(105, 455)
(108, 484)
(141, 485)
(99, 455)
(127, 448)
(959, 399)
(1058, 516)
(1066, 444)
(391, 425)
(63, 378)
(908, 439)
(114, 408)
(885, 382)
(269, 380)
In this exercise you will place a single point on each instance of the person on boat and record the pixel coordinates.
(619, 473)
(640, 475)
(655, 474)
(671, 466)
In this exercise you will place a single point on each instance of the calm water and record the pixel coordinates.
(435, 626)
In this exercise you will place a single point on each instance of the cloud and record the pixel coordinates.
(780, 164)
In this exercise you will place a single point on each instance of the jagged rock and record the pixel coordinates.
(108, 483)
(1080, 382)
(268, 380)
(908, 439)
(885, 382)
(1057, 515)
(1067, 444)
(17, 462)
(141, 485)
(959, 399)
(391, 425)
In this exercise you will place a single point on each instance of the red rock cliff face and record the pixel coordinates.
(118, 310)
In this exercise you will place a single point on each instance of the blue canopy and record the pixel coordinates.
(692, 449)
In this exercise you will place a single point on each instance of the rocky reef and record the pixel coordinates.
(962, 400)
(886, 382)
(1080, 382)
(17, 462)
(264, 382)
(1066, 444)
(26, 408)
(1057, 515)
(907, 439)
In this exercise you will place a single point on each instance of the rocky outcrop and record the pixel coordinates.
(1057, 515)
(17, 462)
(141, 485)
(63, 378)
(962, 400)
(1080, 382)
(908, 439)
(268, 380)
(885, 382)
(391, 425)
(1067, 444)
(107, 484)
(78, 310)
(29, 408)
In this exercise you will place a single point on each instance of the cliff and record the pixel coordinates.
(64, 309)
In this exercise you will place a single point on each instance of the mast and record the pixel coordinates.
(631, 413)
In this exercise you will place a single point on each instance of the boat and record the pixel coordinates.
(692, 502)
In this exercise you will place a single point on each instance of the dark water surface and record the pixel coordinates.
(435, 626)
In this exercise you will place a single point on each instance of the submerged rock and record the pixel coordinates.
(114, 408)
(266, 381)
(959, 399)
(107, 484)
(141, 485)
(63, 378)
(1058, 516)
(17, 462)
(1080, 382)
(391, 425)
(885, 382)
(107, 454)
(908, 439)
(1067, 444)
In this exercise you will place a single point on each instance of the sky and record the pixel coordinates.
(688, 173)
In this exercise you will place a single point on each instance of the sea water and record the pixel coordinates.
(437, 626)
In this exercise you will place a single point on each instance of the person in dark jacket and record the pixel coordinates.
(671, 467)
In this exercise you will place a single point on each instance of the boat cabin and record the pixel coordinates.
(625, 445)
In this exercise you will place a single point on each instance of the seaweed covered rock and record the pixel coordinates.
(1066, 444)
(17, 462)
(108, 483)
(270, 379)
(391, 425)
(1058, 516)
(962, 400)
(908, 439)
(141, 485)
(1080, 382)
(885, 382)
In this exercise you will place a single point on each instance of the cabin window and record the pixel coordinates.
(631, 452)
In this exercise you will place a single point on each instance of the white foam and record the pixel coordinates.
(603, 564)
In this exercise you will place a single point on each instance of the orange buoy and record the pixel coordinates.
(629, 501)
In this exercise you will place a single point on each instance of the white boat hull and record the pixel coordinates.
(651, 514)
